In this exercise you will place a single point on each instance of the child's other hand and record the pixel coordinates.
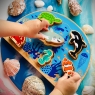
(34, 27)
(67, 86)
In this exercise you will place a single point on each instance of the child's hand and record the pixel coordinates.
(67, 86)
(34, 27)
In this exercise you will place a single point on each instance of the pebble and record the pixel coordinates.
(87, 29)
(39, 3)
(16, 7)
(88, 90)
(49, 8)
(74, 7)
(33, 86)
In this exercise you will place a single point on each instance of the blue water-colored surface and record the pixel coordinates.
(84, 18)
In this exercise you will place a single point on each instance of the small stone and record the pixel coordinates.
(39, 3)
(33, 86)
(74, 7)
(49, 8)
(16, 7)
(88, 90)
(87, 29)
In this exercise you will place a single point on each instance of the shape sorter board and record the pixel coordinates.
(53, 70)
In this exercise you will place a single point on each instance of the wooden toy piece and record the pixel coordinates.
(76, 40)
(18, 40)
(52, 40)
(67, 66)
(46, 57)
(50, 17)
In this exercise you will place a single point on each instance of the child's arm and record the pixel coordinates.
(67, 86)
(30, 28)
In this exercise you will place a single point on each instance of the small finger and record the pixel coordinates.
(65, 76)
(44, 24)
(76, 77)
(39, 36)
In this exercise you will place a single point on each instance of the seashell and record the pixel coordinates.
(88, 90)
(16, 7)
(39, 3)
(11, 67)
(59, 1)
(87, 29)
(74, 7)
(33, 86)
(49, 8)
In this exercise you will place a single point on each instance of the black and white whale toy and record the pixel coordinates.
(76, 40)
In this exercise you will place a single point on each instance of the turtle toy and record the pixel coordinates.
(50, 17)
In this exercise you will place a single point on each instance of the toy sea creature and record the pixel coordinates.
(76, 40)
(33, 86)
(67, 66)
(11, 67)
(50, 17)
(75, 8)
(18, 40)
(52, 38)
(46, 57)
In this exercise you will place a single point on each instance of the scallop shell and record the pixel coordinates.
(87, 29)
(74, 7)
(11, 67)
(33, 86)
(88, 90)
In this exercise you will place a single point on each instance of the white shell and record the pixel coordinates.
(88, 90)
(87, 29)
(33, 86)
(74, 7)
(39, 3)
(49, 8)
(11, 67)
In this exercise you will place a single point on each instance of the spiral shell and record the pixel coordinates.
(74, 7)
(33, 86)
(88, 90)
(11, 67)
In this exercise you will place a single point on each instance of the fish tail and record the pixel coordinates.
(73, 54)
